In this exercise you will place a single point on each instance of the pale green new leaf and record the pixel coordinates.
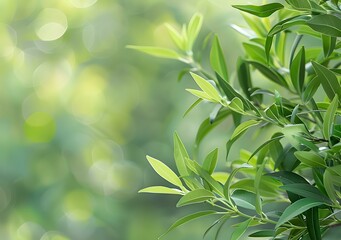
(195, 196)
(161, 190)
(328, 184)
(296, 208)
(201, 95)
(236, 105)
(176, 37)
(164, 171)
(205, 86)
(193, 29)
(243, 127)
(157, 51)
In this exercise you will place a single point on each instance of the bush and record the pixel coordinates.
(300, 164)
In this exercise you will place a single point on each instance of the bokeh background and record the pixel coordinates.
(79, 112)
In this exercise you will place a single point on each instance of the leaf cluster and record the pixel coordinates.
(300, 164)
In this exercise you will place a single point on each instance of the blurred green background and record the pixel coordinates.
(79, 112)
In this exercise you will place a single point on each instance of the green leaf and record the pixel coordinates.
(270, 73)
(297, 208)
(176, 37)
(260, 11)
(263, 233)
(206, 126)
(180, 155)
(287, 23)
(188, 218)
(297, 70)
(266, 144)
(192, 106)
(255, 52)
(329, 186)
(244, 77)
(258, 177)
(240, 230)
(326, 24)
(329, 117)
(157, 51)
(217, 59)
(236, 105)
(206, 87)
(210, 161)
(164, 171)
(311, 89)
(201, 95)
(228, 183)
(328, 80)
(313, 224)
(193, 29)
(244, 199)
(161, 190)
(195, 196)
(307, 191)
(243, 127)
(256, 24)
(310, 159)
(329, 44)
(300, 4)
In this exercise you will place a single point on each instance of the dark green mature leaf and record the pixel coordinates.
(328, 123)
(244, 77)
(311, 159)
(288, 177)
(206, 126)
(297, 70)
(244, 199)
(300, 4)
(164, 171)
(195, 196)
(296, 208)
(265, 144)
(313, 224)
(326, 24)
(217, 59)
(328, 183)
(210, 161)
(328, 80)
(263, 233)
(307, 191)
(188, 218)
(287, 23)
(240, 230)
(260, 11)
(269, 73)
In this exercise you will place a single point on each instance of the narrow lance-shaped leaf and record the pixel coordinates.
(329, 186)
(326, 24)
(269, 73)
(260, 11)
(195, 196)
(329, 44)
(240, 230)
(311, 159)
(188, 218)
(328, 80)
(161, 190)
(313, 224)
(296, 208)
(157, 51)
(311, 89)
(193, 29)
(244, 77)
(164, 171)
(176, 37)
(217, 59)
(206, 87)
(297, 70)
(210, 161)
(180, 154)
(328, 123)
